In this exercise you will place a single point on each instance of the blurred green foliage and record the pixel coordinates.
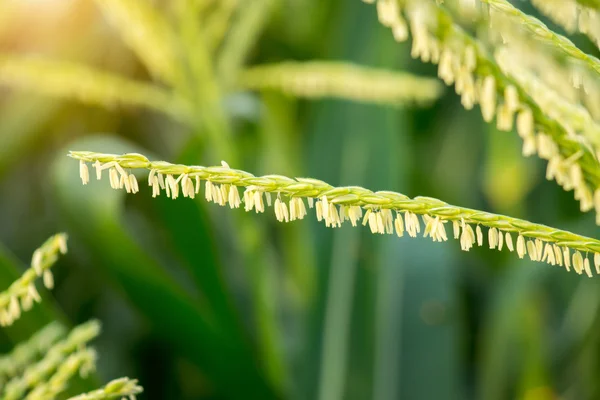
(201, 302)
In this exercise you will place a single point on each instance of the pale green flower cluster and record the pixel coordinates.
(335, 79)
(49, 376)
(22, 293)
(41, 367)
(464, 62)
(569, 81)
(542, 33)
(117, 388)
(82, 361)
(572, 116)
(25, 353)
(542, 60)
(573, 15)
(384, 212)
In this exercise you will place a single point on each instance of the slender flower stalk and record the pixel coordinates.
(573, 15)
(343, 80)
(25, 353)
(22, 293)
(58, 356)
(463, 61)
(541, 32)
(573, 79)
(573, 117)
(117, 388)
(571, 82)
(82, 361)
(384, 212)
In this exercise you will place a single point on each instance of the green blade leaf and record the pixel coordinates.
(191, 238)
(74, 81)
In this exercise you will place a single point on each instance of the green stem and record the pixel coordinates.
(340, 293)
(241, 39)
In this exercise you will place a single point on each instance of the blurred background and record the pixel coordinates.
(202, 302)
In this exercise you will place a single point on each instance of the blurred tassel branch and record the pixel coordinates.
(83, 361)
(571, 80)
(551, 62)
(541, 32)
(41, 367)
(14, 363)
(573, 117)
(117, 388)
(22, 293)
(77, 82)
(48, 377)
(385, 212)
(463, 61)
(574, 16)
(342, 80)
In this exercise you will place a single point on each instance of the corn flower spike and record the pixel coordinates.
(117, 388)
(464, 61)
(22, 293)
(542, 33)
(342, 80)
(82, 361)
(573, 16)
(55, 358)
(335, 205)
(575, 86)
(25, 353)
(572, 117)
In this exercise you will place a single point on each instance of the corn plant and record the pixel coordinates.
(202, 80)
